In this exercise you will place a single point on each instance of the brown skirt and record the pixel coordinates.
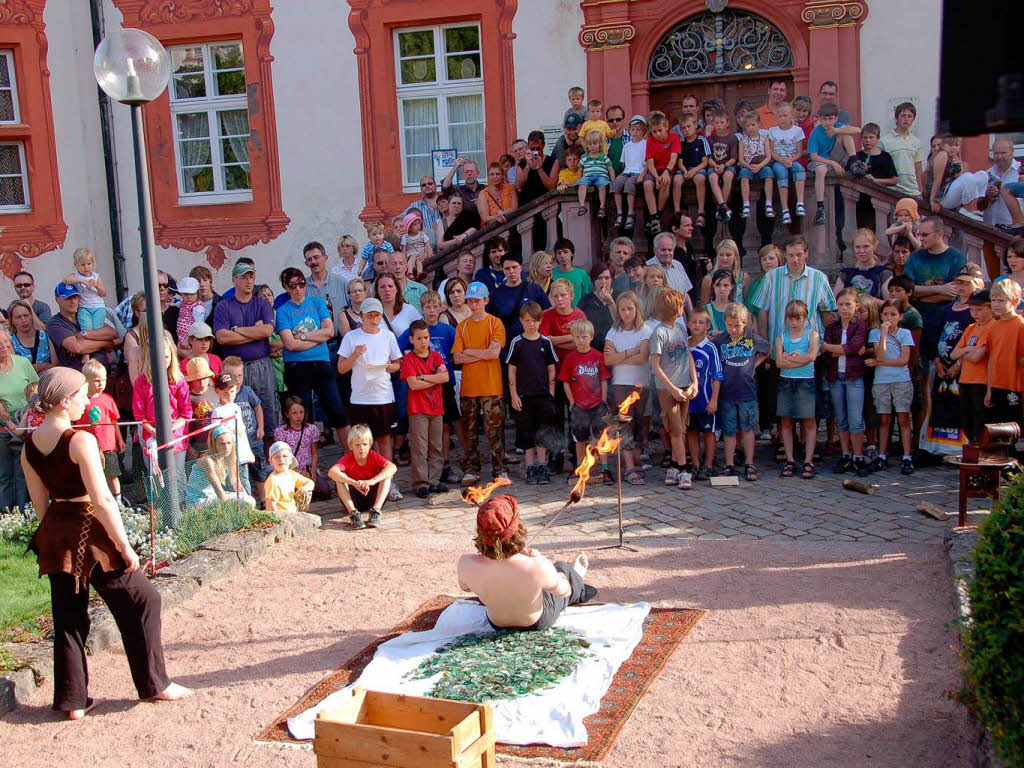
(71, 540)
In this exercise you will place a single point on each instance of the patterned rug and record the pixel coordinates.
(664, 630)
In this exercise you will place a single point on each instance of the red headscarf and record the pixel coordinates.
(498, 519)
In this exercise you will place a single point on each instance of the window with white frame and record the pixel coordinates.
(440, 93)
(13, 178)
(8, 89)
(210, 115)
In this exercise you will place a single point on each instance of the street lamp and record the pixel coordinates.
(132, 67)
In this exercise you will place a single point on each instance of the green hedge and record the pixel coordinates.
(994, 643)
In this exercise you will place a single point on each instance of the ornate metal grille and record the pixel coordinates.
(715, 44)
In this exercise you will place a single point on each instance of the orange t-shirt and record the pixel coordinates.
(975, 336)
(1005, 349)
(768, 119)
(482, 378)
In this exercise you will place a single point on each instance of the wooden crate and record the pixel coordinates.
(372, 729)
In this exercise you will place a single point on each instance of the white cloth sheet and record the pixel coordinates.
(553, 716)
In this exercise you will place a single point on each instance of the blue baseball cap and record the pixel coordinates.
(477, 290)
(65, 290)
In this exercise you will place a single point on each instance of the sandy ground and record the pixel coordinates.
(812, 655)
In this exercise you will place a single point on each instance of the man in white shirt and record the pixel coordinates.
(1006, 170)
(664, 251)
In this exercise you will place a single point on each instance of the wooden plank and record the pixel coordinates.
(386, 746)
(477, 755)
(718, 482)
(465, 733)
(417, 713)
(348, 711)
(487, 757)
(326, 761)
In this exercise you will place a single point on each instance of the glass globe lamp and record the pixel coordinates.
(131, 66)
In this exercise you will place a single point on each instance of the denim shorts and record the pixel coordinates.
(594, 181)
(783, 174)
(796, 399)
(737, 416)
(764, 173)
(848, 404)
(626, 182)
(728, 169)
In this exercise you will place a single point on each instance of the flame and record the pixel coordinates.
(607, 444)
(479, 494)
(583, 473)
(626, 404)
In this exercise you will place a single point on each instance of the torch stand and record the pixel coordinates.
(616, 424)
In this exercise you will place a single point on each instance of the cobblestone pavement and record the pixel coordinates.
(774, 508)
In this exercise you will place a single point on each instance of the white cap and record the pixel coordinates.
(188, 285)
(638, 119)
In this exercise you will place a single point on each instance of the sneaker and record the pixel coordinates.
(607, 476)
(880, 464)
(356, 521)
(907, 468)
(976, 215)
(685, 481)
(672, 476)
(422, 492)
(769, 212)
(843, 465)
(394, 494)
(645, 455)
(745, 213)
(786, 217)
(531, 475)
(723, 212)
(448, 475)
(819, 216)
(543, 475)
(861, 468)
(703, 474)
(439, 488)
(653, 226)
(800, 210)
(469, 479)
(374, 520)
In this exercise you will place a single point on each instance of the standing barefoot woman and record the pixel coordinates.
(81, 541)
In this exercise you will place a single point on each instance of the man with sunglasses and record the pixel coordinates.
(427, 206)
(616, 118)
(25, 287)
(306, 326)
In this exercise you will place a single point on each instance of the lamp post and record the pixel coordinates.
(133, 68)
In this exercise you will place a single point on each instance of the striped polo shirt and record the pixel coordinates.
(779, 287)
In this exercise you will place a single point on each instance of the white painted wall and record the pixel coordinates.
(316, 93)
(79, 151)
(899, 61)
(548, 60)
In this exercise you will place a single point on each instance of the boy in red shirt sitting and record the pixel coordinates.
(663, 149)
(423, 370)
(585, 379)
(363, 478)
(103, 424)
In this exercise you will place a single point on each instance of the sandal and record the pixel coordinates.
(629, 222)
(750, 473)
(635, 477)
(699, 222)
(729, 471)
(808, 472)
(601, 212)
(581, 211)
(788, 470)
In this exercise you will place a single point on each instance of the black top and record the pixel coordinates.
(599, 315)
(531, 359)
(880, 166)
(694, 152)
(534, 187)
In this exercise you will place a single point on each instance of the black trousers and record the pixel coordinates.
(974, 415)
(303, 378)
(135, 605)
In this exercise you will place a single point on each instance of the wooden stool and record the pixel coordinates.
(980, 481)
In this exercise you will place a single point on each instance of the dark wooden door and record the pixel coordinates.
(669, 97)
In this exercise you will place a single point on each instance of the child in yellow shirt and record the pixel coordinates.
(568, 176)
(595, 122)
(284, 486)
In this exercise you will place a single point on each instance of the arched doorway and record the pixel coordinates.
(731, 55)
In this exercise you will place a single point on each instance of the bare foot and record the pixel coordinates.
(78, 714)
(581, 565)
(173, 692)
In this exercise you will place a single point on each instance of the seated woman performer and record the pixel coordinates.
(520, 588)
(81, 542)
